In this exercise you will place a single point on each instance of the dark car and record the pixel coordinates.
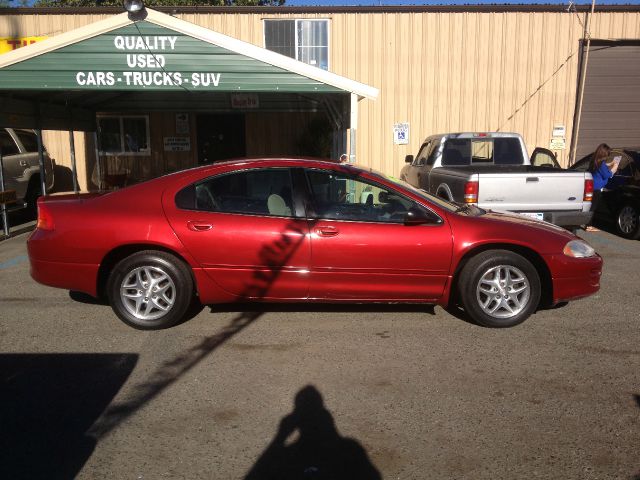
(282, 230)
(618, 203)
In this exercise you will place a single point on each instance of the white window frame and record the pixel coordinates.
(122, 151)
(295, 33)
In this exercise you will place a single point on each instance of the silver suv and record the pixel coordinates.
(21, 166)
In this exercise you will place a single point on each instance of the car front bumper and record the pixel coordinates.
(574, 278)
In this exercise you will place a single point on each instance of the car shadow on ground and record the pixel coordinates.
(458, 312)
(322, 307)
(49, 401)
(308, 445)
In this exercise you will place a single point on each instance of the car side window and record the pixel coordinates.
(28, 139)
(7, 144)
(542, 159)
(253, 192)
(421, 158)
(340, 197)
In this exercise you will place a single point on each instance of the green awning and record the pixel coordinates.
(148, 57)
(62, 81)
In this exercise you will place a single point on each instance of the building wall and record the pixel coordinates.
(438, 71)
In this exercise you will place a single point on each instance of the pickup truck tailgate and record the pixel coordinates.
(532, 191)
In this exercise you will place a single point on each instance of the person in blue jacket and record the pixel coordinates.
(599, 169)
(601, 175)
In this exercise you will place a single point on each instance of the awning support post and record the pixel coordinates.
(72, 145)
(5, 217)
(43, 172)
(98, 166)
(353, 127)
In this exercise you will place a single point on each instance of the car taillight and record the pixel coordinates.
(588, 190)
(471, 192)
(45, 218)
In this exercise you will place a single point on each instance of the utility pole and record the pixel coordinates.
(583, 75)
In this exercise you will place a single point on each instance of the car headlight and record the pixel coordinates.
(578, 249)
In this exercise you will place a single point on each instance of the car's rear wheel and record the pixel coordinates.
(628, 222)
(499, 288)
(150, 290)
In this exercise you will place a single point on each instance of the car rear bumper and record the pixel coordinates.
(70, 276)
(568, 218)
(574, 278)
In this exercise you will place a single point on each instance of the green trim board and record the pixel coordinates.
(147, 57)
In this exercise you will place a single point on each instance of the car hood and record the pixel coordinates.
(523, 220)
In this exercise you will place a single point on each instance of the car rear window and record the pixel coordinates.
(482, 151)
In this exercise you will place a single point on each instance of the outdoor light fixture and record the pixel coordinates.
(135, 9)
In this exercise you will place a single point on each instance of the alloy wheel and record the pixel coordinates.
(148, 293)
(503, 291)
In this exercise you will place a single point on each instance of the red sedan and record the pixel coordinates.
(280, 230)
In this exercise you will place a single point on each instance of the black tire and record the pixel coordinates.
(628, 222)
(150, 290)
(34, 191)
(513, 298)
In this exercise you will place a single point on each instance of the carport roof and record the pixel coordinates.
(109, 58)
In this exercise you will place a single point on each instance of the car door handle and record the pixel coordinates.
(533, 179)
(199, 226)
(327, 231)
(23, 163)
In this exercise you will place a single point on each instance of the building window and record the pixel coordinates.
(124, 135)
(304, 40)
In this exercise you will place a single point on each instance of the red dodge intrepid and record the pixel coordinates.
(283, 230)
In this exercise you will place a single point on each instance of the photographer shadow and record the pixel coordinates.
(308, 445)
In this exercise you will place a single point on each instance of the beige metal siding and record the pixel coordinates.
(611, 109)
(512, 71)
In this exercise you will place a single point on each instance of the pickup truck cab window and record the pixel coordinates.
(456, 152)
(467, 151)
(433, 152)
(421, 158)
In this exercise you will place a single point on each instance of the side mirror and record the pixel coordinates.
(417, 217)
(408, 159)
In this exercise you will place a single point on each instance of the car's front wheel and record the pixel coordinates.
(150, 290)
(628, 222)
(499, 288)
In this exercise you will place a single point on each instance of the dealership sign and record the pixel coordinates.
(149, 57)
(148, 68)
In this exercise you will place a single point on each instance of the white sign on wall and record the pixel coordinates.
(182, 123)
(401, 133)
(559, 131)
(177, 144)
(557, 143)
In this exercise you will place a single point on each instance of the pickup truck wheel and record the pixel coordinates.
(34, 191)
(628, 222)
(150, 290)
(499, 288)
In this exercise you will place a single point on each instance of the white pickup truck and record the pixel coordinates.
(493, 171)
